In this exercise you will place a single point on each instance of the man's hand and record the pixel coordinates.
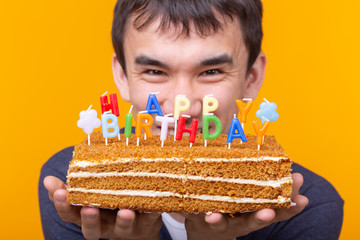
(219, 226)
(100, 223)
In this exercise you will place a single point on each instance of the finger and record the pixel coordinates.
(90, 223)
(67, 213)
(217, 222)
(124, 224)
(148, 223)
(52, 184)
(298, 181)
(259, 219)
(283, 214)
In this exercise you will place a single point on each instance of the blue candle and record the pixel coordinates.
(106, 126)
(236, 126)
(153, 105)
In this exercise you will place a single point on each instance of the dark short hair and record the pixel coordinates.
(183, 13)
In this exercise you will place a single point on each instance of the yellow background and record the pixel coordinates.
(55, 60)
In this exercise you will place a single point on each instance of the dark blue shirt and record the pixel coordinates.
(321, 219)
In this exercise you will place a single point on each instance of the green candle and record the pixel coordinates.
(205, 132)
(128, 125)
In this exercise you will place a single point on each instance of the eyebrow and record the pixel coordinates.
(145, 60)
(221, 59)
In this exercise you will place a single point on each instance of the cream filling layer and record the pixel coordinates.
(271, 183)
(84, 163)
(143, 193)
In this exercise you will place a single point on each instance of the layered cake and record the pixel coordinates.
(179, 178)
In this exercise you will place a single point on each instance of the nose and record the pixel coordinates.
(182, 86)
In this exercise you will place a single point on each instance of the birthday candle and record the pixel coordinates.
(164, 126)
(106, 126)
(260, 132)
(207, 100)
(153, 106)
(267, 110)
(141, 125)
(182, 103)
(128, 125)
(206, 119)
(236, 131)
(244, 109)
(192, 130)
(88, 121)
(113, 105)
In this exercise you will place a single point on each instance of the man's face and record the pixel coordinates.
(193, 66)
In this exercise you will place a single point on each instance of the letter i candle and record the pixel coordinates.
(128, 125)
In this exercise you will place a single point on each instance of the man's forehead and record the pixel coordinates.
(174, 31)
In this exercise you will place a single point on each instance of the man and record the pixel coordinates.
(193, 48)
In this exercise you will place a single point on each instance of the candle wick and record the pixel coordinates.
(266, 100)
(131, 108)
(234, 115)
(104, 93)
(107, 112)
(187, 116)
(89, 108)
(155, 93)
(209, 95)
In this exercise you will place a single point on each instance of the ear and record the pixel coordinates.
(255, 78)
(120, 79)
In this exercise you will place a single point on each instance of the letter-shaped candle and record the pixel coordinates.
(128, 125)
(192, 130)
(106, 126)
(153, 105)
(206, 119)
(164, 126)
(113, 105)
(206, 104)
(143, 125)
(236, 131)
(244, 109)
(182, 103)
(260, 132)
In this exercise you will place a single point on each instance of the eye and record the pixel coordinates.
(154, 72)
(211, 72)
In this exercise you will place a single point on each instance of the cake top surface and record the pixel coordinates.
(151, 148)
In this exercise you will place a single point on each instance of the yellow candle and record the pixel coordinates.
(244, 109)
(207, 100)
(182, 103)
(260, 132)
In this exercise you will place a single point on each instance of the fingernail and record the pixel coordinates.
(125, 221)
(90, 217)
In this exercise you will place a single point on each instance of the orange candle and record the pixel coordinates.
(244, 109)
(260, 132)
(140, 124)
